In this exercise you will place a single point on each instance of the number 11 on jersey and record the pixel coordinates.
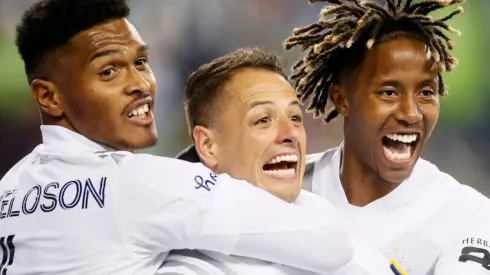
(7, 253)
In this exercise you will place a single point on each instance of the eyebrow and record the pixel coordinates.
(141, 49)
(390, 83)
(395, 83)
(267, 102)
(429, 82)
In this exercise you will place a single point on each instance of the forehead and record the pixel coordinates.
(248, 85)
(115, 33)
(402, 58)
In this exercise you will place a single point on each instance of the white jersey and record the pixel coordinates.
(430, 224)
(73, 206)
(367, 261)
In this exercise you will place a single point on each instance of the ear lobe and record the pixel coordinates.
(47, 97)
(206, 146)
(339, 99)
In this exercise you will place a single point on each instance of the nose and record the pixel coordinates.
(408, 111)
(137, 83)
(287, 131)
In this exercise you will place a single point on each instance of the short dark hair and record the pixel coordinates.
(49, 25)
(205, 84)
(338, 44)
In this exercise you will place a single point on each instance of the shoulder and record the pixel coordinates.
(325, 156)
(156, 165)
(460, 198)
(10, 177)
(174, 177)
(329, 154)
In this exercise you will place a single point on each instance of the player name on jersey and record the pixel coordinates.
(47, 198)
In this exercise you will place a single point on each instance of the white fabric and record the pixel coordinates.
(367, 261)
(424, 224)
(73, 206)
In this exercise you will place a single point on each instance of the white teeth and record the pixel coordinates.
(140, 112)
(398, 156)
(405, 138)
(288, 158)
(284, 172)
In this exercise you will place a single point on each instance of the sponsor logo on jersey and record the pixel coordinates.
(476, 250)
(205, 182)
(398, 263)
(397, 270)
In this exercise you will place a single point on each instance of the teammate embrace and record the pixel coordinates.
(83, 203)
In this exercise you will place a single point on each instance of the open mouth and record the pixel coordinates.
(283, 166)
(141, 112)
(400, 146)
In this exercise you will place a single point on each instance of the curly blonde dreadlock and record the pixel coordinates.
(339, 43)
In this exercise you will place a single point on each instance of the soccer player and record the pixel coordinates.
(380, 67)
(83, 203)
(245, 120)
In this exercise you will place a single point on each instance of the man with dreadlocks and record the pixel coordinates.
(380, 67)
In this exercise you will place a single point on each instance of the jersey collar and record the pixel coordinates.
(61, 139)
(328, 173)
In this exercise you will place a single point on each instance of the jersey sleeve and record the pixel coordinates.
(467, 251)
(467, 248)
(170, 204)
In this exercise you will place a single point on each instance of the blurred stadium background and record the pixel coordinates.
(183, 34)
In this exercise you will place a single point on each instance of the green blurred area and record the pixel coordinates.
(14, 90)
(463, 105)
(468, 81)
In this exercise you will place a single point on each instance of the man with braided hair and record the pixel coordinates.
(380, 68)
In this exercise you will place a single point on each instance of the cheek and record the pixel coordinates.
(303, 140)
(91, 105)
(75, 105)
(253, 145)
(232, 154)
(369, 118)
(252, 148)
(431, 116)
(362, 107)
(150, 78)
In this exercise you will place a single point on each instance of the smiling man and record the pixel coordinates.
(381, 68)
(245, 120)
(253, 131)
(83, 203)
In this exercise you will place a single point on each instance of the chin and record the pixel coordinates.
(285, 190)
(132, 144)
(290, 196)
(394, 176)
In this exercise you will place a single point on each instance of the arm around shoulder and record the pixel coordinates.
(180, 205)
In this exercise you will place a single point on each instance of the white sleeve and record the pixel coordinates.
(367, 261)
(173, 204)
(467, 251)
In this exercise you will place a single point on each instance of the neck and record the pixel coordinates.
(57, 121)
(362, 185)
